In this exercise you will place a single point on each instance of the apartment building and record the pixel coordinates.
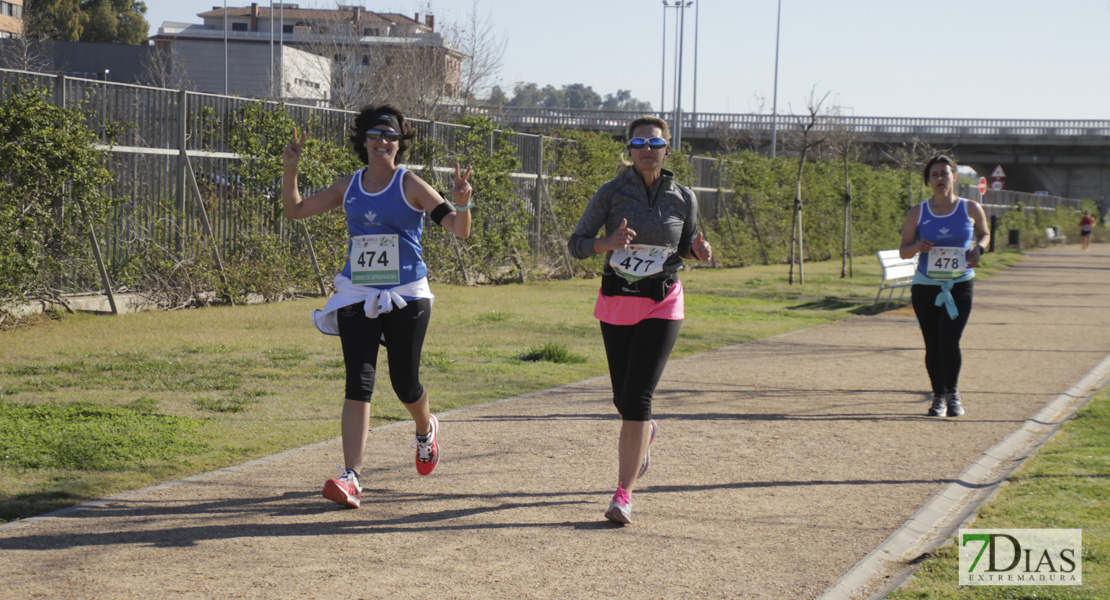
(11, 18)
(356, 50)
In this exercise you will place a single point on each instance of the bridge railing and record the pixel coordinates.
(615, 120)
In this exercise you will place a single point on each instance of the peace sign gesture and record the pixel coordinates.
(292, 153)
(463, 191)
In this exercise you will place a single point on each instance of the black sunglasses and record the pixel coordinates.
(390, 136)
(654, 143)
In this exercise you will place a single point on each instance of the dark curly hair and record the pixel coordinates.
(367, 118)
(941, 159)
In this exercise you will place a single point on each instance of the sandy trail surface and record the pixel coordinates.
(779, 464)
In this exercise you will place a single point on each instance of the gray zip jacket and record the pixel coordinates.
(665, 215)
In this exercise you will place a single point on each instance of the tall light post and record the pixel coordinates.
(697, 20)
(775, 97)
(272, 91)
(682, 5)
(663, 68)
(674, 85)
(225, 47)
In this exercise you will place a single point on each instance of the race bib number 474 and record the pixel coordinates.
(375, 260)
(946, 262)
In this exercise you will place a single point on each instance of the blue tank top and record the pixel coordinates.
(954, 229)
(386, 212)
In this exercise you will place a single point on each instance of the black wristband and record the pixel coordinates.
(440, 211)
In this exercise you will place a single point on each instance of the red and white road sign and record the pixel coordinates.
(998, 173)
(996, 184)
(982, 185)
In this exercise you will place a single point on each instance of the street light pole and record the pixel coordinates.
(697, 20)
(225, 47)
(775, 100)
(682, 4)
(663, 70)
(674, 85)
(272, 49)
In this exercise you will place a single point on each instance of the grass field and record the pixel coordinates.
(1066, 485)
(91, 405)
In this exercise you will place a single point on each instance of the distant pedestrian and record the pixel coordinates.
(951, 234)
(650, 225)
(382, 293)
(1086, 224)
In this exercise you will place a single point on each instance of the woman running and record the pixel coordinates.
(951, 234)
(651, 225)
(382, 293)
(1086, 224)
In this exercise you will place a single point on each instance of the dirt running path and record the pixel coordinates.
(779, 464)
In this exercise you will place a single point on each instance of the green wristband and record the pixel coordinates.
(464, 208)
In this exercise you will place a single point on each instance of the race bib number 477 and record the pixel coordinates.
(638, 261)
(375, 260)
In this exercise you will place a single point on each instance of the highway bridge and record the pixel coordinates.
(1067, 158)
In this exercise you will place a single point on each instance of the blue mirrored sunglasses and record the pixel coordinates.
(390, 136)
(654, 143)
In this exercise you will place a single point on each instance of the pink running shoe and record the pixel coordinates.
(427, 453)
(620, 509)
(344, 490)
(647, 456)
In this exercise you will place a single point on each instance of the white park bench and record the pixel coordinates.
(897, 273)
(1051, 236)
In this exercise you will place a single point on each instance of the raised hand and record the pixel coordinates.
(463, 191)
(292, 153)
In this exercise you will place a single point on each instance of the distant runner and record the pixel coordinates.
(951, 234)
(1086, 224)
(382, 293)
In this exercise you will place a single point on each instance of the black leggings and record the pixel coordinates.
(942, 334)
(403, 329)
(637, 354)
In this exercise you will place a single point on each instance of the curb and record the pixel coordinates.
(958, 502)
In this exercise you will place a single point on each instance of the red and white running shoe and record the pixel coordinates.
(427, 453)
(344, 490)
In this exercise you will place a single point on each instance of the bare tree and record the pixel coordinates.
(162, 67)
(26, 54)
(484, 50)
(842, 141)
(810, 139)
(420, 76)
(907, 156)
(404, 64)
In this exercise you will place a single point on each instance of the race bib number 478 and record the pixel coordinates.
(946, 262)
(375, 260)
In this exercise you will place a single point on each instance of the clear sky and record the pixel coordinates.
(1007, 59)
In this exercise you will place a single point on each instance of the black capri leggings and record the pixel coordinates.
(637, 354)
(942, 334)
(403, 330)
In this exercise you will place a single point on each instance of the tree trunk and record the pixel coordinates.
(846, 249)
(796, 233)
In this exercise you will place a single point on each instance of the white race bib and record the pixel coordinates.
(946, 262)
(375, 260)
(639, 261)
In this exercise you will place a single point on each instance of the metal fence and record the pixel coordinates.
(165, 146)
